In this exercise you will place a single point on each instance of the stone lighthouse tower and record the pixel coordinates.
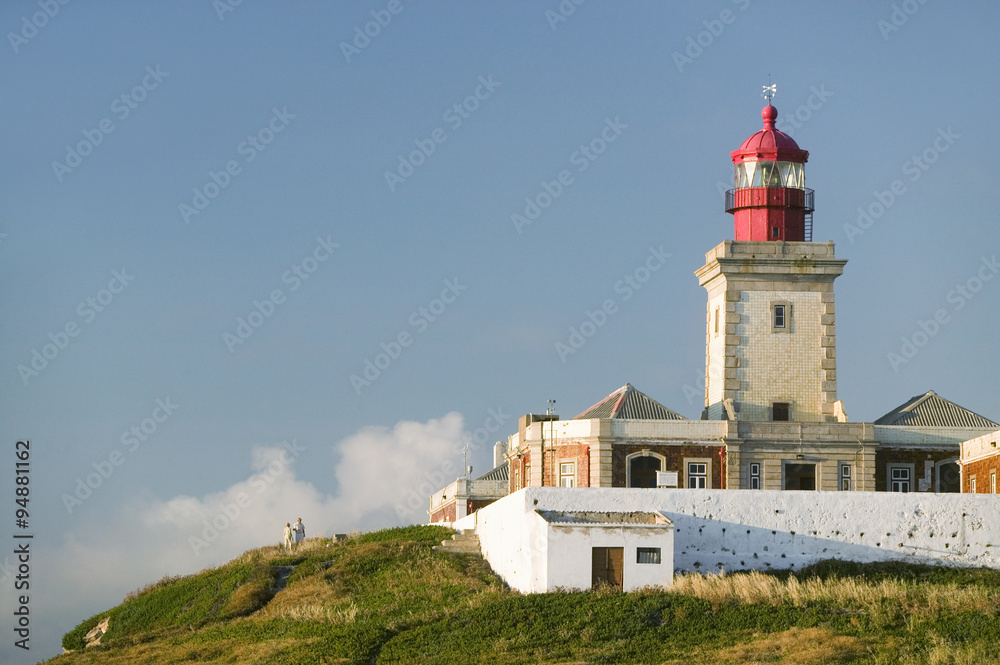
(770, 337)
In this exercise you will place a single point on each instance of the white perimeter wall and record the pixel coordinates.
(742, 529)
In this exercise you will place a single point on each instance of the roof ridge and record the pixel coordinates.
(629, 403)
(932, 410)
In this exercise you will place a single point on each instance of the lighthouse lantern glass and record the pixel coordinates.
(769, 174)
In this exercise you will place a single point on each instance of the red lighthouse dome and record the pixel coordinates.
(769, 200)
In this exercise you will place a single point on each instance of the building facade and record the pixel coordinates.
(772, 419)
(980, 464)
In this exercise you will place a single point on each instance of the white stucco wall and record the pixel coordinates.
(735, 530)
(534, 556)
(569, 558)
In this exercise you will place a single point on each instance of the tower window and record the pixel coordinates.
(755, 475)
(781, 316)
(775, 232)
(779, 411)
(716, 321)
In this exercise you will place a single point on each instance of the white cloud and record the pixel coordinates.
(384, 477)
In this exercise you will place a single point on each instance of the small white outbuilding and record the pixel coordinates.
(537, 550)
(629, 550)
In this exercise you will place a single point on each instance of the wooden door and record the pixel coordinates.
(607, 565)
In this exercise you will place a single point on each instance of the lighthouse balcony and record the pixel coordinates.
(769, 197)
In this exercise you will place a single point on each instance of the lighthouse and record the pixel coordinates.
(770, 351)
(769, 199)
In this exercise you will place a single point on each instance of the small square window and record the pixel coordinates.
(779, 316)
(755, 476)
(780, 411)
(775, 232)
(647, 555)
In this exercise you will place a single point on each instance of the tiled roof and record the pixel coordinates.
(932, 410)
(501, 472)
(627, 402)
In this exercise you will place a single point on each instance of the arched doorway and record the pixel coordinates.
(642, 468)
(948, 479)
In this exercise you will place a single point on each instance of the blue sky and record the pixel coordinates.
(287, 135)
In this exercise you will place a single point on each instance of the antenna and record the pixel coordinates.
(770, 90)
(552, 407)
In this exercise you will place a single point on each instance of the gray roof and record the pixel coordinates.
(627, 402)
(501, 472)
(601, 518)
(932, 410)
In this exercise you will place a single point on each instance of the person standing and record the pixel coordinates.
(300, 531)
(288, 537)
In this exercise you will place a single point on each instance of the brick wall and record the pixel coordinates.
(519, 472)
(918, 458)
(981, 470)
(444, 512)
(570, 452)
(675, 456)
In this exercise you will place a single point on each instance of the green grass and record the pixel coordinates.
(387, 597)
(215, 595)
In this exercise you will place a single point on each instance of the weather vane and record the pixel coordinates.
(770, 90)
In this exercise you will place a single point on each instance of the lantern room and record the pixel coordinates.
(769, 199)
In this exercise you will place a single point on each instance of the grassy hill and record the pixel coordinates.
(388, 597)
